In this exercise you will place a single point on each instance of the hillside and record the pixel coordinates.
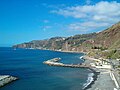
(103, 44)
(58, 43)
(106, 43)
(107, 39)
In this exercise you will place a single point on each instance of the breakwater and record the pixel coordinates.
(5, 79)
(55, 62)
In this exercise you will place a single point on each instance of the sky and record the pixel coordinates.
(27, 20)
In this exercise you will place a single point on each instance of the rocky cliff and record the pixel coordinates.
(103, 44)
(106, 43)
(107, 39)
(58, 43)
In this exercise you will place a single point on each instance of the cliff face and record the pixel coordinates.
(103, 44)
(58, 43)
(53, 43)
(107, 39)
(106, 43)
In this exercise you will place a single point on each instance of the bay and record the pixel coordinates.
(27, 65)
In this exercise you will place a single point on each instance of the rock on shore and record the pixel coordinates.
(5, 79)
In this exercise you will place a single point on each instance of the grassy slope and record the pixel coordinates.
(106, 44)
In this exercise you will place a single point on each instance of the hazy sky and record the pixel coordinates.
(26, 20)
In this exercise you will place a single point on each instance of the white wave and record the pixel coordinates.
(89, 80)
(81, 58)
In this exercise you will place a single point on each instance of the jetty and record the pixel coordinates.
(55, 62)
(5, 79)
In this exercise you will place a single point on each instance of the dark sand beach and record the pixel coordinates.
(102, 79)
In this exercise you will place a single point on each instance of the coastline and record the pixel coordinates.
(87, 60)
(65, 51)
(100, 75)
(93, 78)
(97, 75)
(95, 72)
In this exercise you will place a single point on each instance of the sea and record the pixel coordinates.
(27, 65)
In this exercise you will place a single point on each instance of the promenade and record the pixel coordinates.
(104, 81)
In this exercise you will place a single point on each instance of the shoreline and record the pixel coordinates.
(55, 50)
(94, 78)
(95, 72)
(90, 80)
(87, 60)
(98, 74)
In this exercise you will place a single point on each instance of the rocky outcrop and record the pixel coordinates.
(5, 79)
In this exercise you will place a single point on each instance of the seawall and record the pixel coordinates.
(54, 62)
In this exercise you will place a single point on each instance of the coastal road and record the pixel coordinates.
(104, 81)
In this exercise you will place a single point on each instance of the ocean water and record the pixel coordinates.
(28, 66)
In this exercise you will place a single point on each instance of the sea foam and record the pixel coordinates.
(89, 80)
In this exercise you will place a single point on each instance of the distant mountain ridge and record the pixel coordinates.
(58, 43)
(95, 43)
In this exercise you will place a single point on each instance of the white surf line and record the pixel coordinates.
(114, 79)
(115, 89)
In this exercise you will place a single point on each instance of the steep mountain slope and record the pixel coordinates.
(103, 44)
(107, 39)
(106, 43)
(58, 43)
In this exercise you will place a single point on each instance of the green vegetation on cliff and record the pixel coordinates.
(104, 44)
(58, 43)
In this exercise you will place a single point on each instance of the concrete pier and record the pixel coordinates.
(54, 62)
